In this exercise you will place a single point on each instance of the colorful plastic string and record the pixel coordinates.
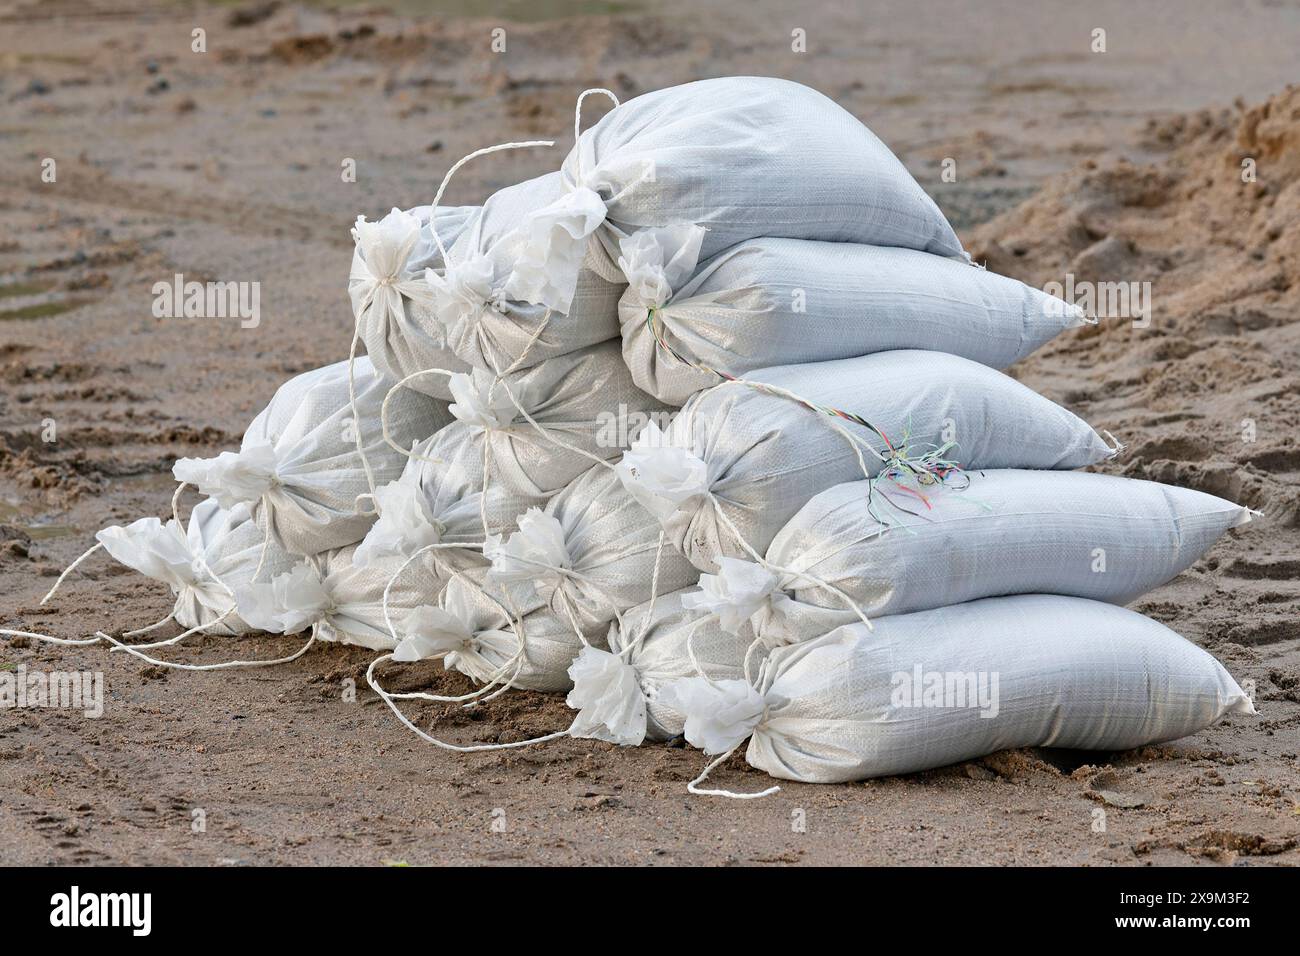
(930, 467)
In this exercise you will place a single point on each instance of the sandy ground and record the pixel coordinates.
(226, 165)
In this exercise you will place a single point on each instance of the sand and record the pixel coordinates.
(1123, 166)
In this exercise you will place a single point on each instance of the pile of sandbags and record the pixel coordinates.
(706, 429)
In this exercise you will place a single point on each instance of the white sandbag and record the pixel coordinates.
(473, 631)
(392, 302)
(1000, 532)
(729, 623)
(659, 653)
(218, 551)
(742, 157)
(337, 599)
(590, 555)
(436, 505)
(487, 319)
(577, 398)
(935, 687)
(298, 466)
(759, 457)
(790, 301)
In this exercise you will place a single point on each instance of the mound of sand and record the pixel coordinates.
(1205, 394)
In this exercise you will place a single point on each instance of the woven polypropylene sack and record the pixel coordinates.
(1069, 673)
(611, 543)
(298, 465)
(765, 455)
(579, 398)
(1000, 532)
(790, 301)
(356, 613)
(485, 324)
(658, 632)
(550, 644)
(392, 303)
(217, 552)
(746, 157)
(438, 505)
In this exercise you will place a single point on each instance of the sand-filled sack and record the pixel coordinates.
(1000, 532)
(590, 555)
(216, 552)
(337, 599)
(723, 628)
(935, 687)
(391, 297)
(742, 157)
(477, 632)
(653, 641)
(789, 301)
(436, 506)
(575, 401)
(298, 466)
(482, 298)
(739, 459)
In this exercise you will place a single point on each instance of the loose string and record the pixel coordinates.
(352, 405)
(152, 627)
(456, 748)
(68, 570)
(483, 493)
(1117, 445)
(48, 638)
(196, 629)
(926, 468)
(383, 414)
(175, 508)
(515, 661)
(199, 628)
(62, 641)
(223, 665)
(577, 114)
(694, 785)
(442, 187)
(654, 596)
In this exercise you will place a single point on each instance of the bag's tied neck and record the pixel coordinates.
(546, 267)
(290, 602)
(738, 593)
(656, 262)
(444, 633)
(405, 524)
(463, 291)
(156, 550)
(555, 237)
(232, 478)
(536, 554)
(385, 247)
(720, 717)
(481, 401)
(663, 478)
(720, 714)
(607, 696)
